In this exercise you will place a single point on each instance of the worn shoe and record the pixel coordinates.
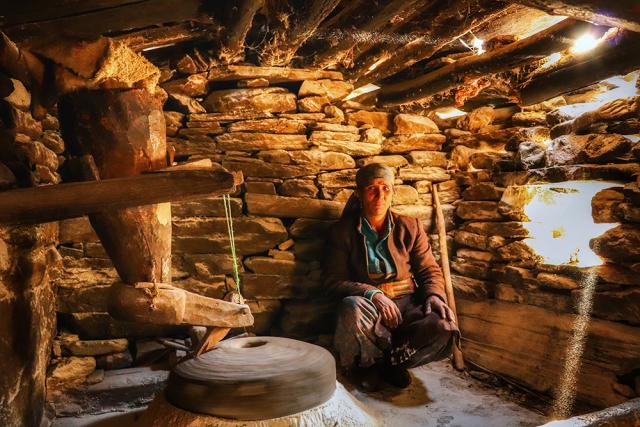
(396, 376)
(367, 379)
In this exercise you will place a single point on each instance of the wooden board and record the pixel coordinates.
(527, 344)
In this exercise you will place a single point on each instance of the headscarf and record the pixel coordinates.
(364, 176)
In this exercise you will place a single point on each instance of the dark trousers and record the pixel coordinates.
(361, 338)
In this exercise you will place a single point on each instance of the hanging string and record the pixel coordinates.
(226, 199)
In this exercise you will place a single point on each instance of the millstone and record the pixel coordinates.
(254, 378)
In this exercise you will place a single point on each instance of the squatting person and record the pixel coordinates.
(393, 315)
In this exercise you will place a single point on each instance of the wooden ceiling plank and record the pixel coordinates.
(238, 23)
(281, 49)
(155, 37)
(113, 20)
(613, 13)
(19, 12)
(447, 24)
(607, 60)
(369, 29)
(553, 39)
(272, 74)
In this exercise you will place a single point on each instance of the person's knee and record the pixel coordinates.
(442, 328)
(353, 303)
(355, 308)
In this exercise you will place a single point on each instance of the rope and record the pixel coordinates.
(226, 199)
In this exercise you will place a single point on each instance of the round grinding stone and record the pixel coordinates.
(254, 378)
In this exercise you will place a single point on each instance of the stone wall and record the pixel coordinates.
(298, 147)
(517, 312)
(29, 150)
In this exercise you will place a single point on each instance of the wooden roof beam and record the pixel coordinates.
(279, 51)
(447, 25)
(381, 18)
(607, 60)
(613, 13)
(156, 37)
(391, 37)
(238, 23)
(90, 24)
(554, 39)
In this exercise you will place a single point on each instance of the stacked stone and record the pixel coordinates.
(28, 258)
(492, 260)
(299, 153)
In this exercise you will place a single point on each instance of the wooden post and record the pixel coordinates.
(124, 131)
(458, 360)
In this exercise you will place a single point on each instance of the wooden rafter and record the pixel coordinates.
(613, 13)
(90, 23)
(367, 28)
(391, 36)
(238, 21)
(272, 74)
(279, 51)
(448, 23)
(155, 37)
(553, 39)
(609, 59)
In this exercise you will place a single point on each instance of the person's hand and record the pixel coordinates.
(436, 305)
(389, 311)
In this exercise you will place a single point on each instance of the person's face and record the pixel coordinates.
(376, 197)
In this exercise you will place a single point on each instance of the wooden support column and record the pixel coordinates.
(553, 39)
(124, 131)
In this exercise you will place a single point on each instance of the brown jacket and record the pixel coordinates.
(346, 258)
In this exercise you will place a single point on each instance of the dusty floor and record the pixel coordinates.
(441, 397)
(438, 397)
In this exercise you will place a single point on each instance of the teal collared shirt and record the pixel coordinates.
(379, 261)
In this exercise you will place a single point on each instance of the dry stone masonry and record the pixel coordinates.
(299, 146)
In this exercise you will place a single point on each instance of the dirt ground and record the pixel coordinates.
(438, 397)
(441, 397)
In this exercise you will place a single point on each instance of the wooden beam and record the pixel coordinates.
(150, 38)
(450, 21)
(285, 42)
(553, 39)
(374, 23)
(619, 56)
(213, 336)
(391, 37)
(55, 202)
(19, 12)
(238, 21)
(619, 13)
(272, 74)
(93, 23)
(161, 303)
